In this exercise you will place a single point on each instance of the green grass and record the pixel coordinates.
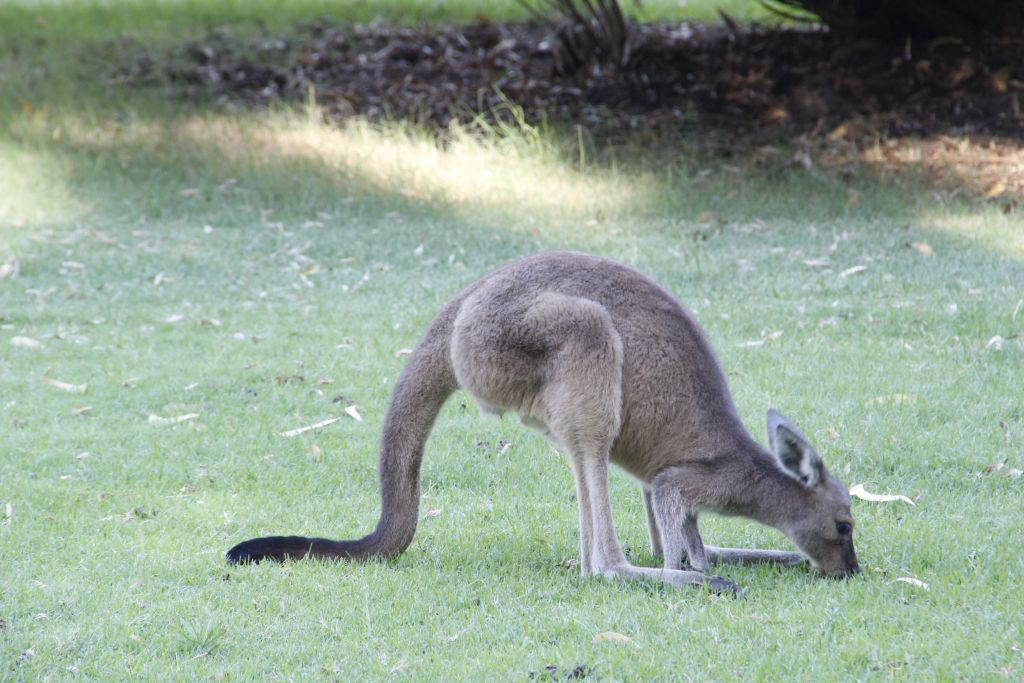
(183, 262)
(133, 15)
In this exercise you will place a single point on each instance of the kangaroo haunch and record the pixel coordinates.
(609, 367)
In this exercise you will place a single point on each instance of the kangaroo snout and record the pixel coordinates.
(846, 569)
(842, 573)
(852, 570)
(852, 566)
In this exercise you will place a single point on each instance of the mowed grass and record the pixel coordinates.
(263, 272)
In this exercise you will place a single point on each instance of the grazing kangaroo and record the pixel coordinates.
(608, 366)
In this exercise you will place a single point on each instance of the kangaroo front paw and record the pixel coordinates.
(720, 586)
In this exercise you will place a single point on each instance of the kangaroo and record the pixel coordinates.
(609, 367)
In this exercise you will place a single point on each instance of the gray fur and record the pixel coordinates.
(610, 368)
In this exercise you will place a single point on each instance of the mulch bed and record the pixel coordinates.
(731, 89)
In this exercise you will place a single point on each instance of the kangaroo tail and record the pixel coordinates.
(422, 389)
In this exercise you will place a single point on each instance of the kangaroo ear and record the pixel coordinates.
(796, 456)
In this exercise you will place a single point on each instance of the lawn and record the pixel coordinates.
(182, 284)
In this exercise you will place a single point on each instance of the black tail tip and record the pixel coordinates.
(255, 550)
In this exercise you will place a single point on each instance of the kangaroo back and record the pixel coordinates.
(424, 385)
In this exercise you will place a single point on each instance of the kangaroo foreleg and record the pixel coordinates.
(693, 543)
(652, 523)
(609, 560)
(677, 522)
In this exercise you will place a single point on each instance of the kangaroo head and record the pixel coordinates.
(818, 521)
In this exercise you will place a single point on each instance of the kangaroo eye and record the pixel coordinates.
(844, 528)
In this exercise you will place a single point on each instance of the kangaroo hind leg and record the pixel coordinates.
(580, 407)
(581, 402)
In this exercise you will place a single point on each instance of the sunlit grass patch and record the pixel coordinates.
(466, 169)
(517, 167)
(35, 191)
(993, 229)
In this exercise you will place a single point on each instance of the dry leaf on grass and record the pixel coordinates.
(353, 413)
(64, 386)
(995, 189)
(611, 637)
(765, 337)
(25, 342)
(994, 467)
(175, 318)
(1011, 473)
(922, 248)
(302, 430)
(1006, 430)
(163, 421)
(917, 583)
(455, 636)
(81, 411)
(817, 262)
(895, 399)
(853, 271)
(430, 513)
(999, 80)
(995, 343)
(838, 133)
(857, 491)
(402, 352)
(9, 269)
